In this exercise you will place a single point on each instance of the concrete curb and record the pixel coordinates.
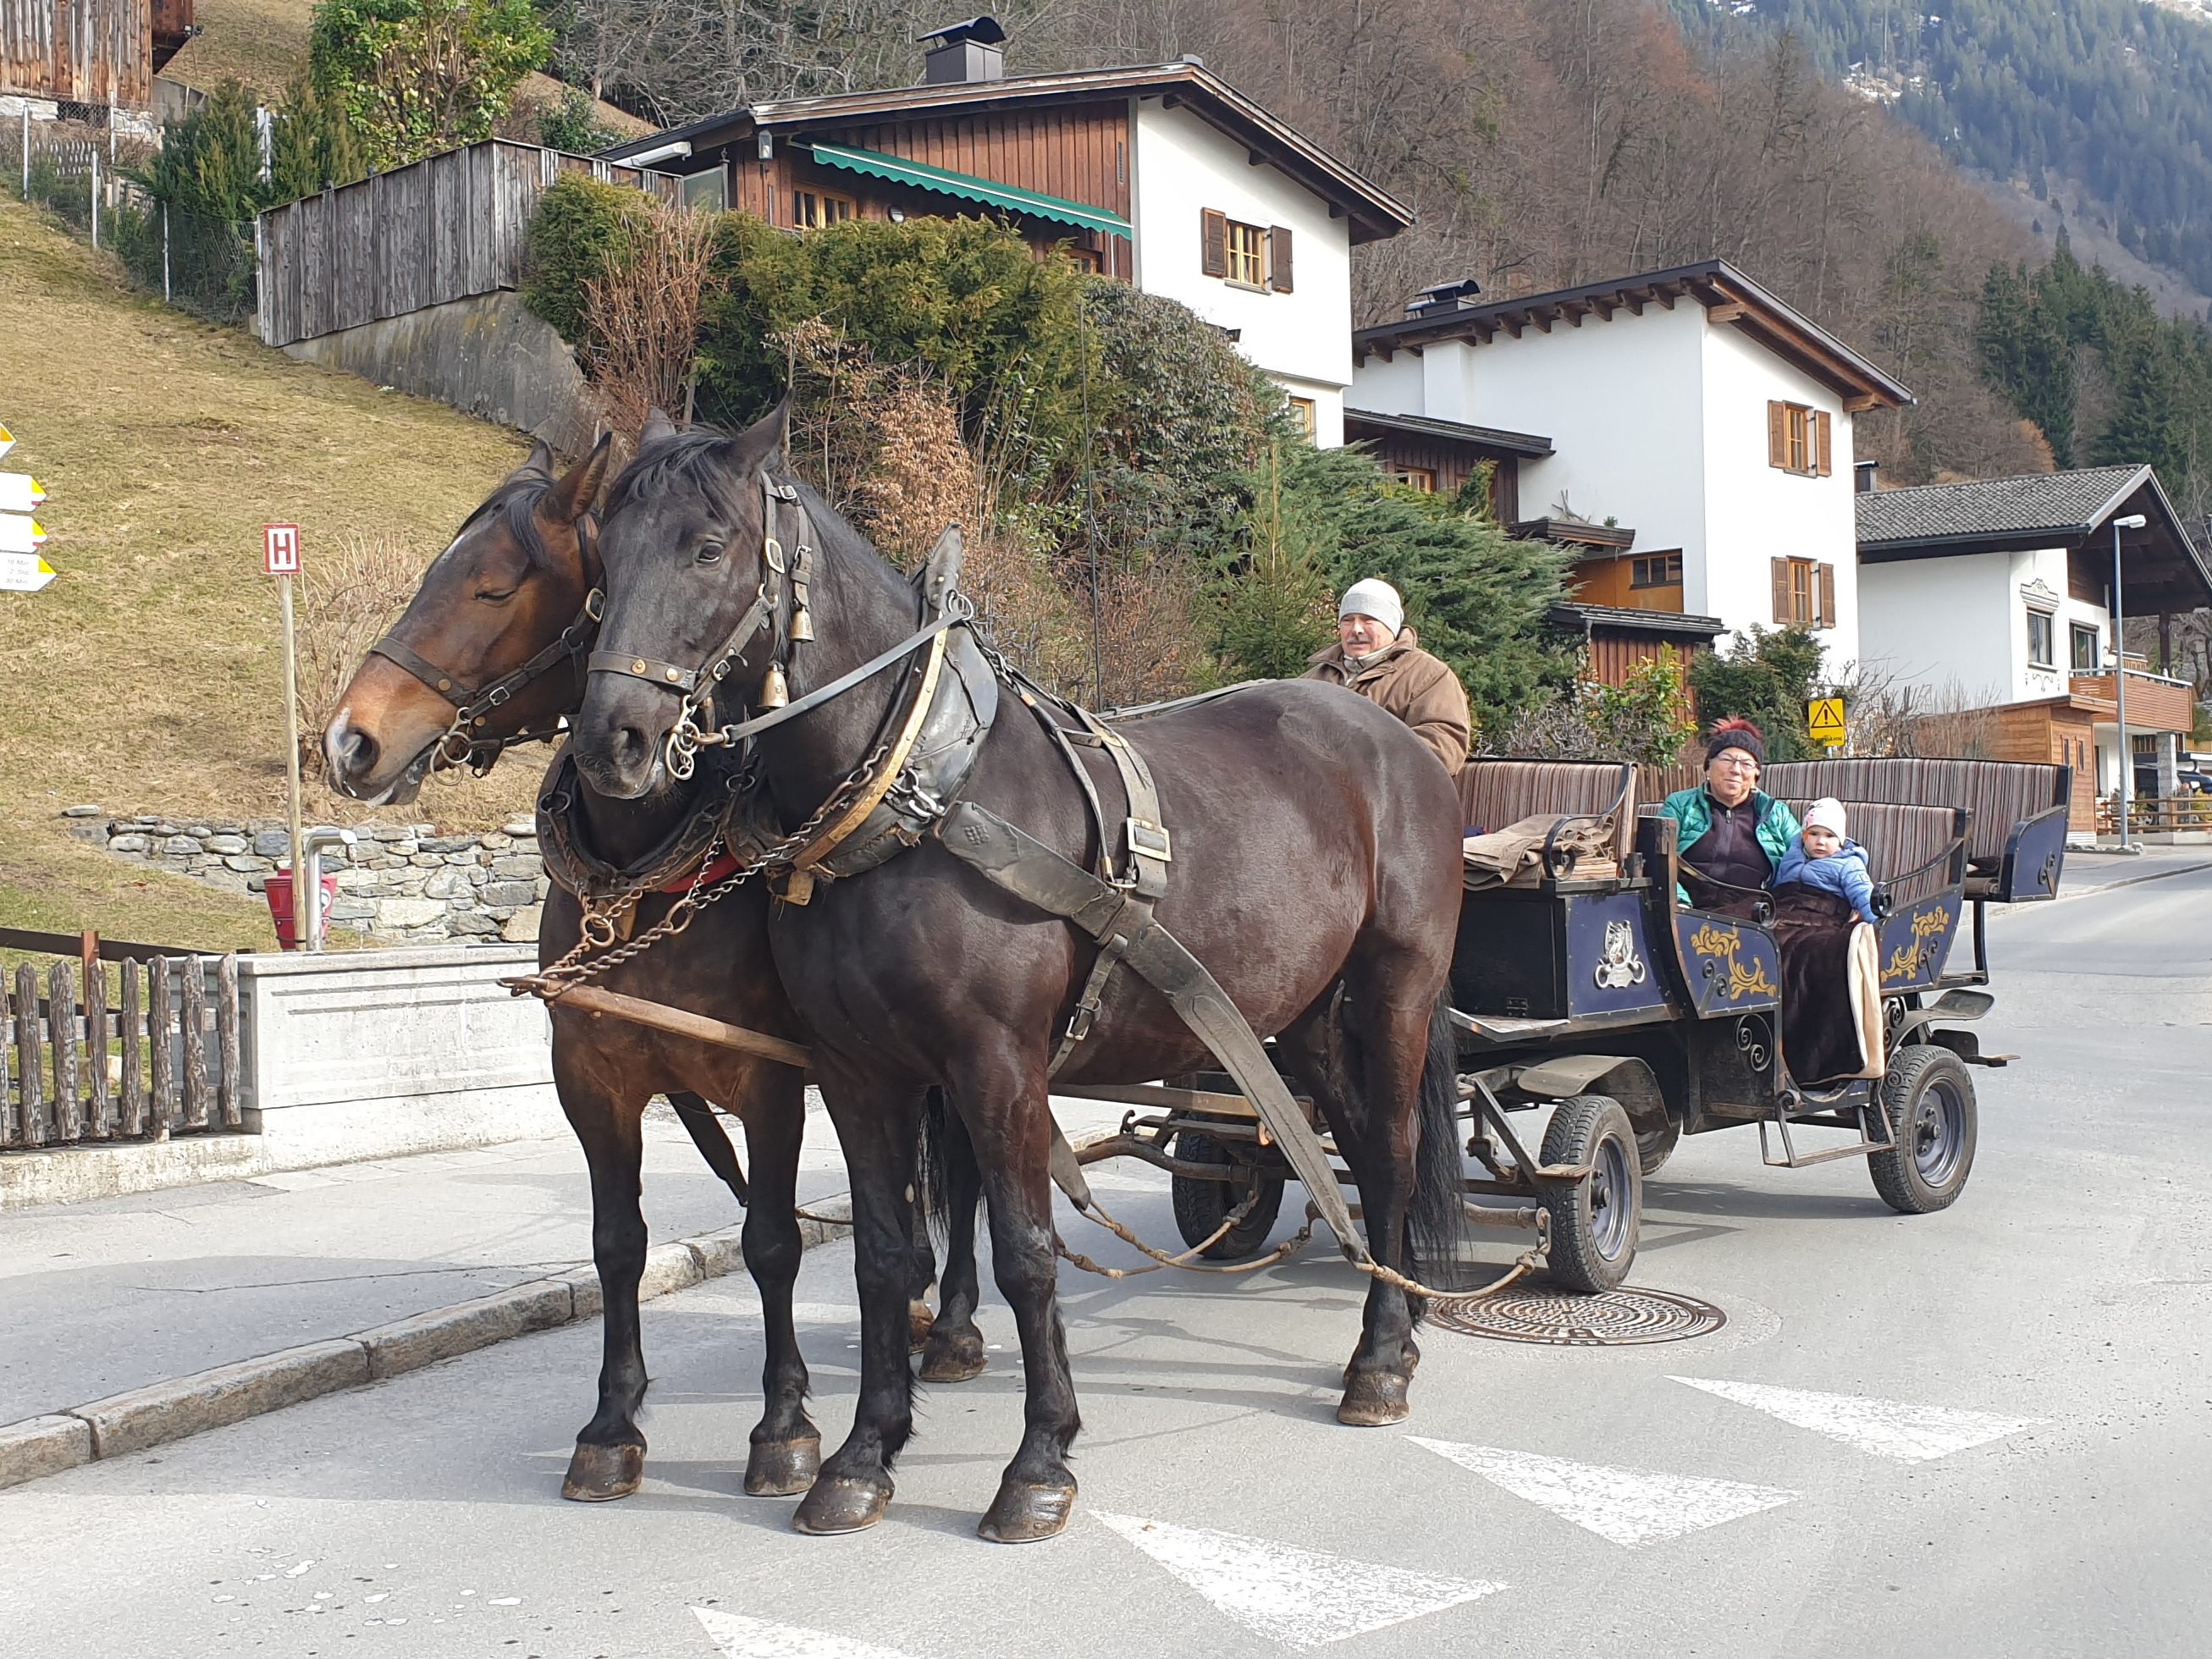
(212, 1399)
(2116, 882)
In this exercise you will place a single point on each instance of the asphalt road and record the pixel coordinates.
(1986, 1432)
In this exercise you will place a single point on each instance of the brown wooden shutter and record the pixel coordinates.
(1278, 259)
(1828, 574)
(1777, 435)
(1820, 439)
(1212, 242)
(1781, 592)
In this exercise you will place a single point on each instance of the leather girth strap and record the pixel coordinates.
(1019, 864)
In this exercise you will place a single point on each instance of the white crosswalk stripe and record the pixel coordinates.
(1631, 1507)
(740, 1637)
(1886, 1428)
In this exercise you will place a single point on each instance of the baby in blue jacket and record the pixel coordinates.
(1824, 858)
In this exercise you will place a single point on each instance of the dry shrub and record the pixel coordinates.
(347, 597)
(1946, 722)
(645, 318)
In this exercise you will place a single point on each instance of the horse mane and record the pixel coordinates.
(516, 500)
(684, 454)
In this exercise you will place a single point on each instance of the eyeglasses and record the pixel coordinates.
(1736, 762)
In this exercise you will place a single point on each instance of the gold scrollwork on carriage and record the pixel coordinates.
(1721, 945)
(1910, 961)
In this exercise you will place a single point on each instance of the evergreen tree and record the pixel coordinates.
(312, 146)
(209, 163)
(1274, 595)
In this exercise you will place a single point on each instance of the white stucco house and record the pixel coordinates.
(1695, 443)
(1996, 596)
(1163, 175)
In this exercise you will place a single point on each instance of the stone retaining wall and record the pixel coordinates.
(402, 883)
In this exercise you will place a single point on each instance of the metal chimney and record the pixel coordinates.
(1862, 477)
(965, 53)
(1456, 294)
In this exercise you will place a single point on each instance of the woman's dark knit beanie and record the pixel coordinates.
(1737, 734)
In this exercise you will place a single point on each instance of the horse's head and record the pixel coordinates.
(693, 585)
(437, 687)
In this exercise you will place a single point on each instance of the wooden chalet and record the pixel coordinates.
(87, 57)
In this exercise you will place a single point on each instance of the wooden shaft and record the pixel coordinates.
(679, 1023)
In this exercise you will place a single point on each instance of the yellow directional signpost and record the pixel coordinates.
(21, 568)
(1824, 718)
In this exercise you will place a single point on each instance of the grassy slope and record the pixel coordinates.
(147, 676)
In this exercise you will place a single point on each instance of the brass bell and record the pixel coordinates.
(802, 626)
(774, 692)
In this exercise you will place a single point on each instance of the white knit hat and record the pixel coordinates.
(1375, 598)
(1827, 813)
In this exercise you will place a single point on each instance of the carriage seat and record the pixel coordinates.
(1905, 845)
(1496, 794)
(2001, 795)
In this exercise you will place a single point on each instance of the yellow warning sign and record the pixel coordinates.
(1824, 718)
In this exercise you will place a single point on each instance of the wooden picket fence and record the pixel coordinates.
(151, 1053)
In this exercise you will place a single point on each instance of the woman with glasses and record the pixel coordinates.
(1733, 835)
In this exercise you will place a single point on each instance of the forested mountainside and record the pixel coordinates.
(2114, 96)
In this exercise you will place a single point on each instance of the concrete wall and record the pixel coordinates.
(489, 357)
(1302, 339)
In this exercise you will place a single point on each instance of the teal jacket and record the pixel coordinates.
(1692, 809)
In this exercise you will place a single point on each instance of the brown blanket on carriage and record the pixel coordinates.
(1514, 856)
(1831, 1026)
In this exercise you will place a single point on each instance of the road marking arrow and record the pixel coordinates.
(1299, 1597)
(20, 492)
(742, 1637)
(1631, 1507)
(1886, 1428)
(21, 535)
(23, 572)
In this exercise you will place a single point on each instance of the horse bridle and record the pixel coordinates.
(472, 705)
(686, 737)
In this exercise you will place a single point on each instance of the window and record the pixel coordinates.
(1422, 479)
(811, 209)
(1804, 593)
(1656, 570)
(1799, 440)
(2087, 643)
(1084, 259)
(1302, 411)
(708, 191)
(2042, 652)
(1250, 256)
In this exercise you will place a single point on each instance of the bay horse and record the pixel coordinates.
(1315, 868)
(511, 591)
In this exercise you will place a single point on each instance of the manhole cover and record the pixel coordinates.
(1611, 1319)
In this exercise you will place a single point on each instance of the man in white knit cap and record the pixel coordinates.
(1376, 656)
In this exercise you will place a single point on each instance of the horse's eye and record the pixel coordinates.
(499, 597)
(709, 552)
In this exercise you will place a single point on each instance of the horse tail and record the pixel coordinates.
(932, 1145)
(1437, 1218)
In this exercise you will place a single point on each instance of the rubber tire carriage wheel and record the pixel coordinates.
(1929, 1097)
(1654, 1147)
(1594, 1222)
(1200, 1206)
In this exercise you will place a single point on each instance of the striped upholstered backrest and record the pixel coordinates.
(1999, 794)
(1496, 794)
(1899, 841)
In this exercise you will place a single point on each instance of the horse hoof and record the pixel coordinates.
(1026, 1514)
(841, 1504)
(1374, 1399)
(599, 1474)
(919, 1320)
(953, 1356)
(782, 1469)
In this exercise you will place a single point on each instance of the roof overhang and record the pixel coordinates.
(1373, 211)
(942, 181)
(2162, 570)
(1729, 298)
(1586, 619)
(1572, 533)
(1488, 439)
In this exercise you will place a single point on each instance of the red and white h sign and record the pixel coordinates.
(280, 550)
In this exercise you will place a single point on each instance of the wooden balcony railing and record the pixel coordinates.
(2156, 702)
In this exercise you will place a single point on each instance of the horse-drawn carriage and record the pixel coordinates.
(1585, 987)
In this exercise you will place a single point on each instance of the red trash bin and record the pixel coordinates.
(279, 892)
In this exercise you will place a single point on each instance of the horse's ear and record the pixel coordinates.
(761, 447)
(656, 427)
(539, 464)
(578, 487)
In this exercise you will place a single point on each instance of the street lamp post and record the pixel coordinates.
(2133, 521)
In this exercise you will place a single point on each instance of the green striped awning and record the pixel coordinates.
(920, 175)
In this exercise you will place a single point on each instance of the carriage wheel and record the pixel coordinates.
(1594, 1221)
(1200, 1206)
(1655, 1146)
(1930, 1102)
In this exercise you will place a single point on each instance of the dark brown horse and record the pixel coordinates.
(516, 580)
(1315, 844)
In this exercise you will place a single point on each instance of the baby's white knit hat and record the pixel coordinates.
(1827, 813)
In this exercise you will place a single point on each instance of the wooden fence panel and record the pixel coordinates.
(193, 1017)
(30, 1059)
(134, 1052)
(227, 1042)
(61, 1033)
(161, 1061)
(100, 1124)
